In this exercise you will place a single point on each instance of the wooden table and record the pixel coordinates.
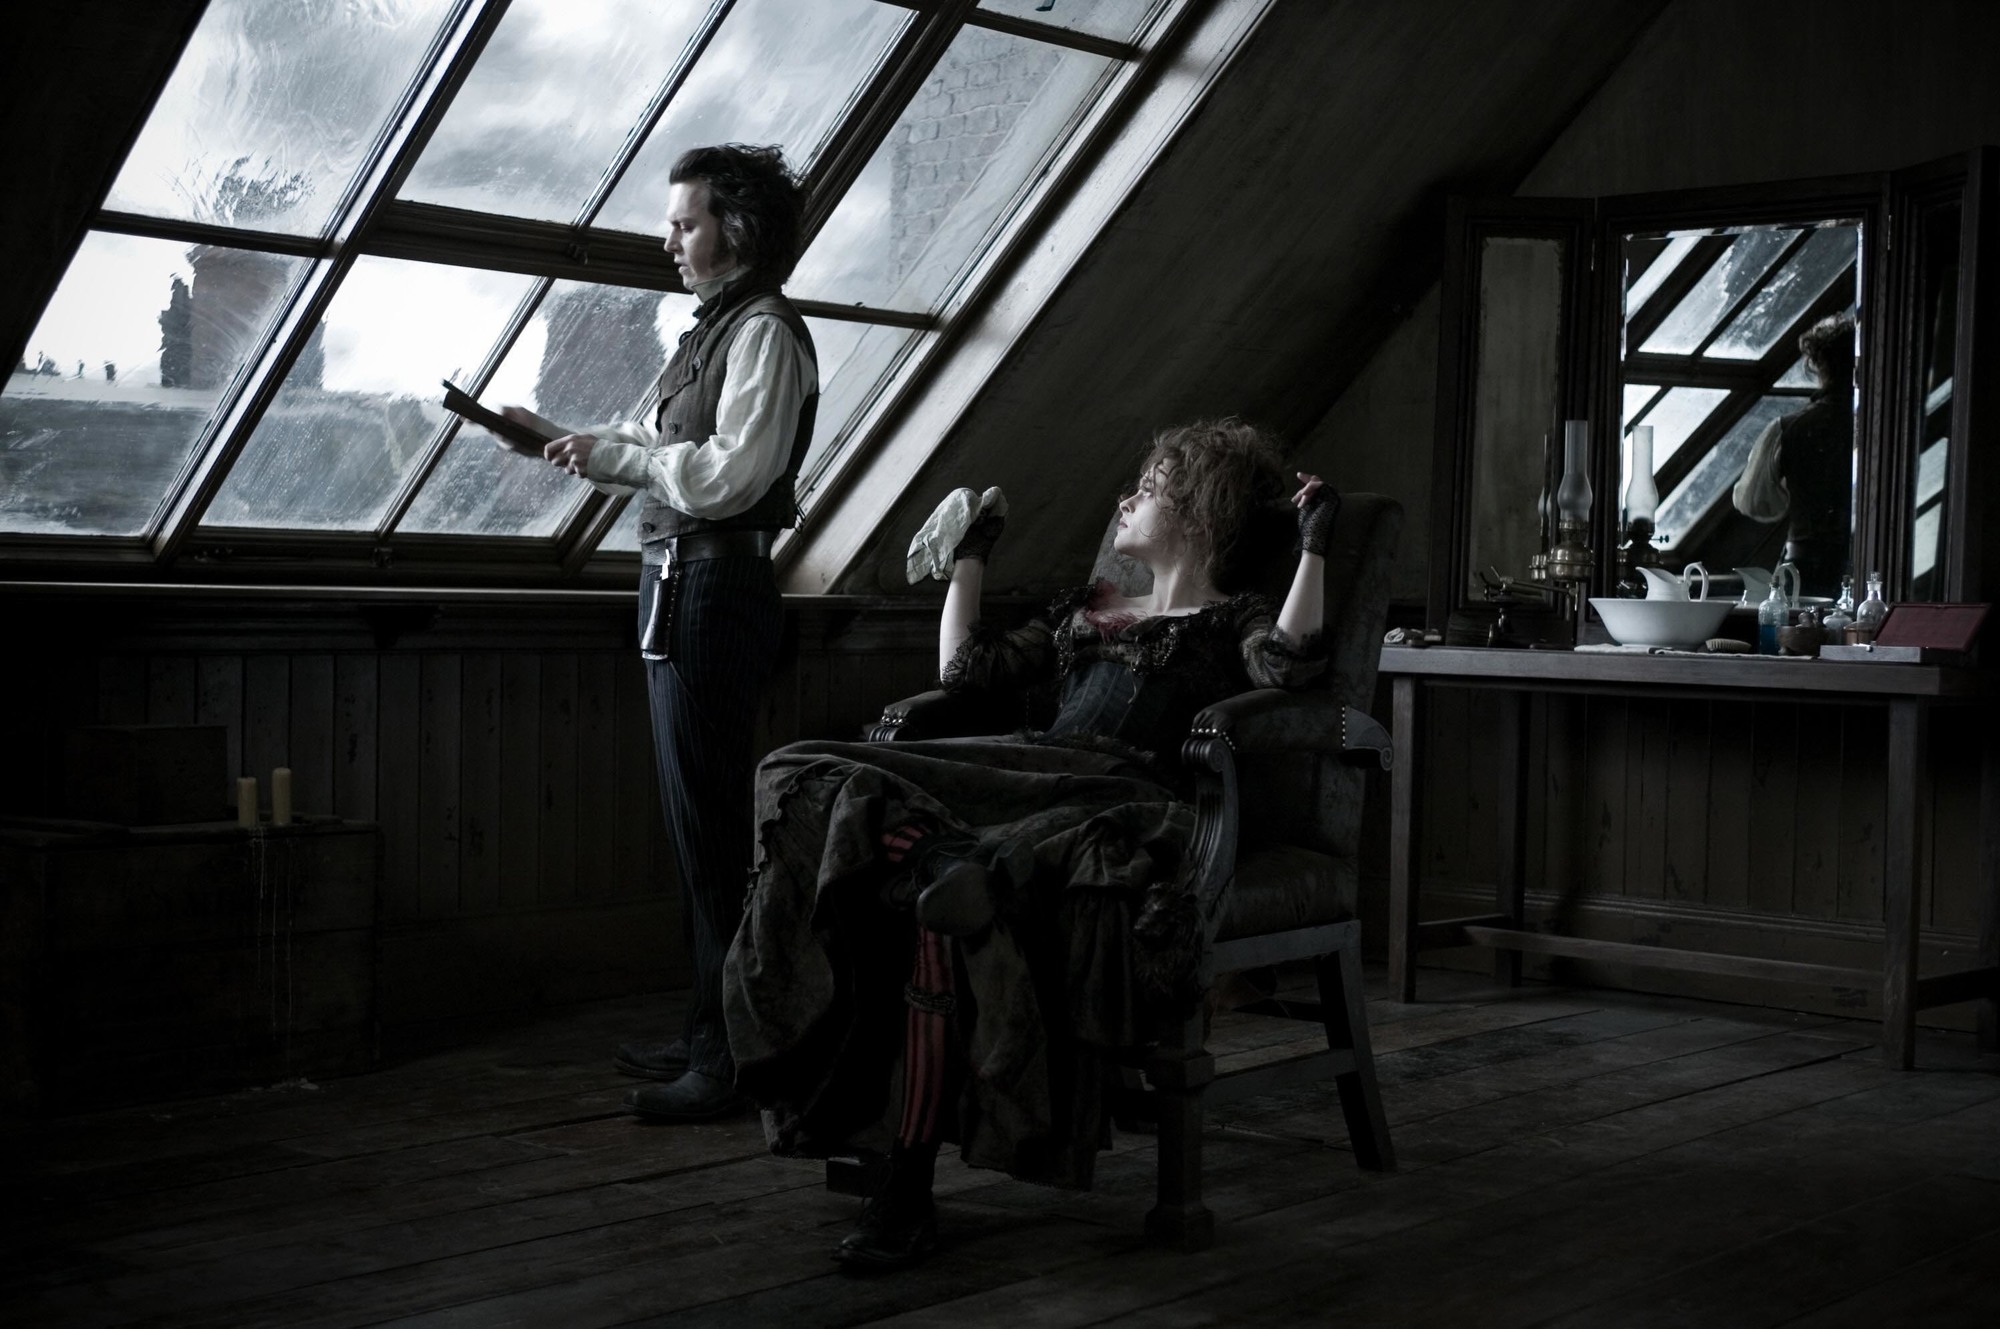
(1909, 692)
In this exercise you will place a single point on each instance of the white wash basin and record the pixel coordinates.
(1661, 622)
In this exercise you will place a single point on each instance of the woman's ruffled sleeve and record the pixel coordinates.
(1274, 658)
(1019, 658)
(991, 659)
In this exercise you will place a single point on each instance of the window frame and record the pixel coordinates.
(370, 221)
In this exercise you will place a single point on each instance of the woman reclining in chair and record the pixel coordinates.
(999, 915)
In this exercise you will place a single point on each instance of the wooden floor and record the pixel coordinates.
(1568, 1157)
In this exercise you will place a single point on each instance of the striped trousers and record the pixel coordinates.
(725, 619)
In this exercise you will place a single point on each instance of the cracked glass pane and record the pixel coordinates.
(972, 138)
(778, 71)
(550, 102)
(353, 419)
(273, 110)
(589, 356)
(1739, 269)
(1118, 19)
(122, 375)
(1827, 256)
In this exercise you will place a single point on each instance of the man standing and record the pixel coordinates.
(717, 467)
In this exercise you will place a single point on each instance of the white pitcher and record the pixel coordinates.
(1666, 586)
(1757, 583)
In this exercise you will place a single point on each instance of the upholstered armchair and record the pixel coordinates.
(1279, 783)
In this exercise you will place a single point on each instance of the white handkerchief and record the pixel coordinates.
(931, 547)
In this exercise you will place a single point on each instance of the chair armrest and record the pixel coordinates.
(1274, 720)
(934, 714)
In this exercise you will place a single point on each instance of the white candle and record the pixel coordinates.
(246, 802)
(281, 796)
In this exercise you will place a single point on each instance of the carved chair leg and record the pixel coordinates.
(1180, 1071)
(1343, 1002)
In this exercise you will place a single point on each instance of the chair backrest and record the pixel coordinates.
(1311, 801)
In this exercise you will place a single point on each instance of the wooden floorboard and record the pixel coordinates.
(1568, 1157)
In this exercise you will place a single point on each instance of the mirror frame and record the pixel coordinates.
(1860, 198)
(1469, 224)
(1890, 207)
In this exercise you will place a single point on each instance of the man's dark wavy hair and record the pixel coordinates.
(757, 198)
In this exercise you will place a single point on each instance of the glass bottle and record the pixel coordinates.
(1873, 610)
(1842, 611)
(1774, 613)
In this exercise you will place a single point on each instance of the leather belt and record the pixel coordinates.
(703, 545)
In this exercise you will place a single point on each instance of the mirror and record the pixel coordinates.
(1516, 386)
(1739, 346)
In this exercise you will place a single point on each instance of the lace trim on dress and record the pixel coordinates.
(1147, 642)
(1282, 643)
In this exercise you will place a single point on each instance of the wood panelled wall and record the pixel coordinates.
(505, 751)
(1733, 826)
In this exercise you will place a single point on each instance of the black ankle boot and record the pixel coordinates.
(896, 1230)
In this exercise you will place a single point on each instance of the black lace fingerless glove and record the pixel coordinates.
(1316, 520)
(980, 537)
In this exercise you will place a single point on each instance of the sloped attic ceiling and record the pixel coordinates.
(1285, 232)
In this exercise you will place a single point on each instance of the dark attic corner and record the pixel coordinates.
(1238, 662)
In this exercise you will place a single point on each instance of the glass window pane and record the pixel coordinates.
(588, 357)
(1655, 273)
(1829, 254)
(852, 359)
(1119, 19)
(1739, 268)
(550, 102)
(1637, 395)
(623, 537)
(350, 423)
(135, 351)
(968, 142)
(778, 71)
(1676, 415)
(1798, 376)
(1717, 472)
(273, 109)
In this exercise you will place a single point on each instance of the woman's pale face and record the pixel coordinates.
(1146, 529)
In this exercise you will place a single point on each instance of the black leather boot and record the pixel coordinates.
(653, 1061)
(896, 1230)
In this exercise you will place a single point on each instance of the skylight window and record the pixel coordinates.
(333, 207)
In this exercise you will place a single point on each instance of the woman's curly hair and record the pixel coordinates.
(1224, 484)
(757, 198)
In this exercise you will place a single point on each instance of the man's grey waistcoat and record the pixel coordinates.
(690, 390)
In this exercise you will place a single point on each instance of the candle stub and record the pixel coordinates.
(281, 796)
(246, 801)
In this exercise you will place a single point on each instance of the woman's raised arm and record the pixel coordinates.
(968, 576)
(1304, 613)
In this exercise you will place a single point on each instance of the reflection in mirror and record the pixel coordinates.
(1936, 349)
(1739, 352)
(1515, 403)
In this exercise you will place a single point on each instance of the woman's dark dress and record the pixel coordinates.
(814, 983)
